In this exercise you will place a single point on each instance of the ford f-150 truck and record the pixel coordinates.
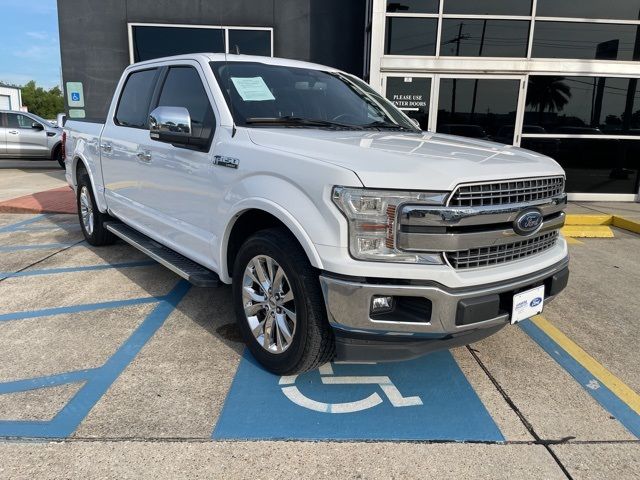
(344, 229)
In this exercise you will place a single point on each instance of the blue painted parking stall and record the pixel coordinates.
(423, 399)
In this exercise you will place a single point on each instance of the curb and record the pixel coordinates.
(597, 226)
(57, 200)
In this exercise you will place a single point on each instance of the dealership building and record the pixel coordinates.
(559, 77)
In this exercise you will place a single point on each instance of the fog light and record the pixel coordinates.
(381, 304)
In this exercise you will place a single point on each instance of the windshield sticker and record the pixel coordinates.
(252, 89)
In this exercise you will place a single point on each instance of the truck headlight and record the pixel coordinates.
(372, 222)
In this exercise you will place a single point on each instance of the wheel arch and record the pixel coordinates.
(79, 162)
(252, 217)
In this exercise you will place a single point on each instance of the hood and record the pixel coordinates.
(406, 160)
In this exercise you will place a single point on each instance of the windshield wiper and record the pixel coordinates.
(291, 120)
(393, 126)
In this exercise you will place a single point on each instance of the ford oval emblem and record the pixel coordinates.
(535, 302)
(528, 222)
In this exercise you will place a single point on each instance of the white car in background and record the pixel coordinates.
(25, 135)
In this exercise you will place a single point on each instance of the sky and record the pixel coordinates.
(29, 42)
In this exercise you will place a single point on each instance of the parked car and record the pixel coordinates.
(345, 230)
(25, 135)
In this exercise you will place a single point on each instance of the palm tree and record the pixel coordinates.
(548, 94)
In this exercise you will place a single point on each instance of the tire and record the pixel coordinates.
(311, 341)
(58, 157)
(94, 230)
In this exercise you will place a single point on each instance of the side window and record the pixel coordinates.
(133, 106)
(183, 88)
(15, 120)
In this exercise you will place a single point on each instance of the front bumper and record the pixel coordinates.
(434, 316)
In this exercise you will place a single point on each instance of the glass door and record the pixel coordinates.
(483, 107)
(411, 93)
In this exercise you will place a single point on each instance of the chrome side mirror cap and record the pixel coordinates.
(170, 125)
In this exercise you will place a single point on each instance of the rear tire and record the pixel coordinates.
(58, 157)
(91, 219)
(281, 314)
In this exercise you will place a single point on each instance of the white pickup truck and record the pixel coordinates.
(345, 230)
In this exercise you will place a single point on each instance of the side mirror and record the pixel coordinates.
(37, 126)
(172, 125)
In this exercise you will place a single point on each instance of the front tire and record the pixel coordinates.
(91, 219)
(279, 304)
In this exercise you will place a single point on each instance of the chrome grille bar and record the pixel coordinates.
(507, 192)
(492, 255)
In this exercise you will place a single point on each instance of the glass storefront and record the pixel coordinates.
(554, 76)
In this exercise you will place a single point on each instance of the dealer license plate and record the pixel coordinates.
(527, 304)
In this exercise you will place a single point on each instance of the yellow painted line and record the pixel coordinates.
(626, 224)
(613, 383)
(573, 219)
(587, 231)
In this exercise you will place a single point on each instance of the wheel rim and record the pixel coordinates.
(86, 210)
(269, 304)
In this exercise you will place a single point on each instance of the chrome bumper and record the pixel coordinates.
(348, 304)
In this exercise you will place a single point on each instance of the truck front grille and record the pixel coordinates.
(509, 192)
(485, 256)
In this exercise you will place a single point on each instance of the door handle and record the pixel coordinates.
(144, 156)
(106, 147)
(14, 132)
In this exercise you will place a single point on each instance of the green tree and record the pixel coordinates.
(45, 103)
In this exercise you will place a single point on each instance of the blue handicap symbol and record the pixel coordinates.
(75, 96)
(423, 399)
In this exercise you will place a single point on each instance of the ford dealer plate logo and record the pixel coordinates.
(528, 222)
(535, 302)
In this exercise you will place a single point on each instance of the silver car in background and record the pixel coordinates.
(25, 135)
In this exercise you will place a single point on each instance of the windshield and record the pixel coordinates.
(266, 95)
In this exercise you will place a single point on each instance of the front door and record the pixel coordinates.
(25, 137)
(179, 188)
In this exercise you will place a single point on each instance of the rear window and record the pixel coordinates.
(133, 106)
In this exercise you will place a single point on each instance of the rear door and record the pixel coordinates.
(122, 145)
(179, 189)
(22, 139)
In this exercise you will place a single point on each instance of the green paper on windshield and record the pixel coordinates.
(252, 89)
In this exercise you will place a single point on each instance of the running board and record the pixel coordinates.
(188, 269)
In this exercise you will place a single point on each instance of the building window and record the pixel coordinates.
(149, 41)
(478, 107)
(413, 6)
(411, 95)
(617, 9)
(593, 165)
(484, 38)
(411, 36)
(584, 105)
(595, 41)
(250, 42)
(488, 7)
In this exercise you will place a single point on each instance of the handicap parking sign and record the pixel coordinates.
(424, 399)
(75, 96)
